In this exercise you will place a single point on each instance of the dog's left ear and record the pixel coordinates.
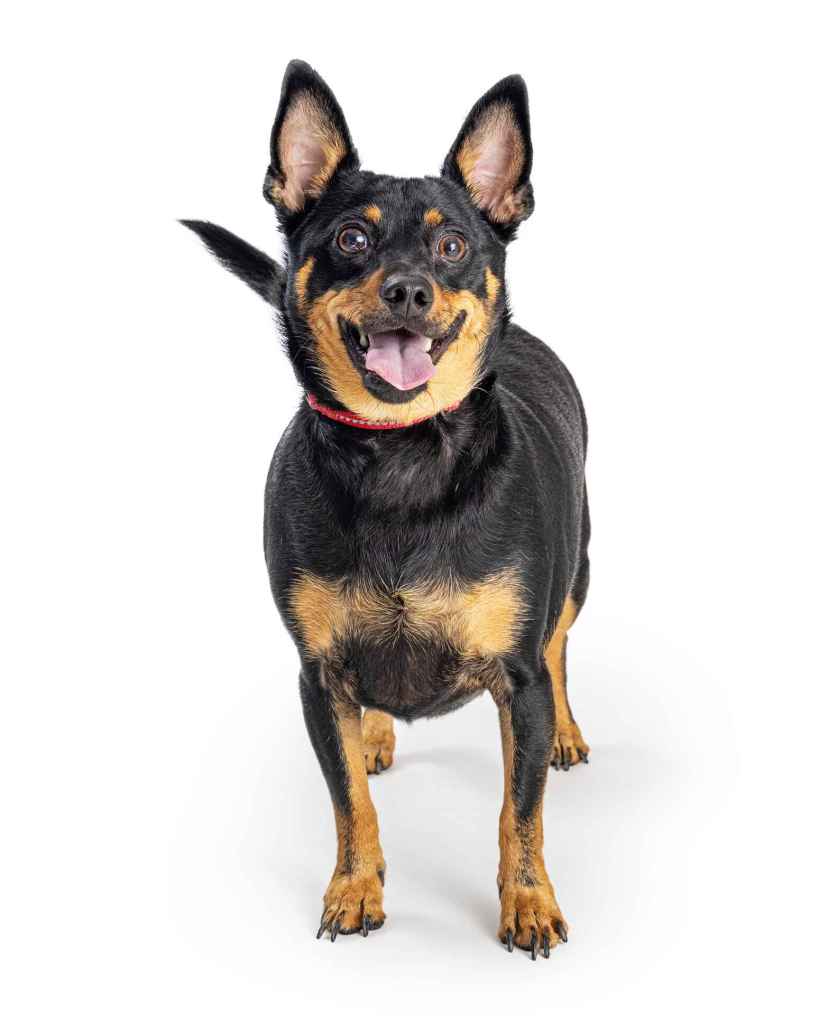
(309, 144)
(492, 155)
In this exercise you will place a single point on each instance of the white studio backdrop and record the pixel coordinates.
(168, 835)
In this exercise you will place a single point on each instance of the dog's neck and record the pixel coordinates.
(361, 422)
(403, 471)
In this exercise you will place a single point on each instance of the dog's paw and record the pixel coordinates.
(531, 919)
(569, 748)
(352, 903)
(379, 741)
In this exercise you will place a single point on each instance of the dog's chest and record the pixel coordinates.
(405, 646)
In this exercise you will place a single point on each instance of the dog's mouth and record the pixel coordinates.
(402, 357)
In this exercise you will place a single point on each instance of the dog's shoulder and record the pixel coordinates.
(539, 390)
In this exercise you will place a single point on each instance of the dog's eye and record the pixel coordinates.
(352, 239)
(451, 247)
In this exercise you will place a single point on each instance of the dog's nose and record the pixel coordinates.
(406, 294)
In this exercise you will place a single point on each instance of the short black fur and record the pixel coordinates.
(496, 486)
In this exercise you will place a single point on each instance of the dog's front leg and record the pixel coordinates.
(353, 900)
(530, 916)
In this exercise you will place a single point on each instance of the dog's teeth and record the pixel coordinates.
(363, 342)
(428, 345)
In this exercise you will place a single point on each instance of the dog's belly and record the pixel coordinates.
(412, 679)
(420, 649)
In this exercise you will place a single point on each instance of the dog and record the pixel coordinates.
(426, 523)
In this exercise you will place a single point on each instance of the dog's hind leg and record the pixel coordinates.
(353, 900)
(379, 741)
(569, 746)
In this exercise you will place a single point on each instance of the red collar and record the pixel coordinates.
(354, 419)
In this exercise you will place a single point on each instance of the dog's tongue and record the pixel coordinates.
(399, 358)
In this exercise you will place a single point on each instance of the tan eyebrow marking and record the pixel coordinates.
(373, 214)
(433, 217)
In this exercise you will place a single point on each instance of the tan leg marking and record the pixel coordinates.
(379, 741)
(353, 900)
(569, 745)
(529, 910)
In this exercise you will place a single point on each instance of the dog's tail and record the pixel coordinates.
(251, 265)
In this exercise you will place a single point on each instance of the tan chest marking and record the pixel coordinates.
(479, 620)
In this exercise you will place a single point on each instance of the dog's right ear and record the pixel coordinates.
(309, 144)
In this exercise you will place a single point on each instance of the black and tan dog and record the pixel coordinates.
(426, 522)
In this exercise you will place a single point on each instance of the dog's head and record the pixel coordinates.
(394, 295)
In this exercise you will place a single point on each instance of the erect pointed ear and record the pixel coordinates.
(309, 143)
(492, 155)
